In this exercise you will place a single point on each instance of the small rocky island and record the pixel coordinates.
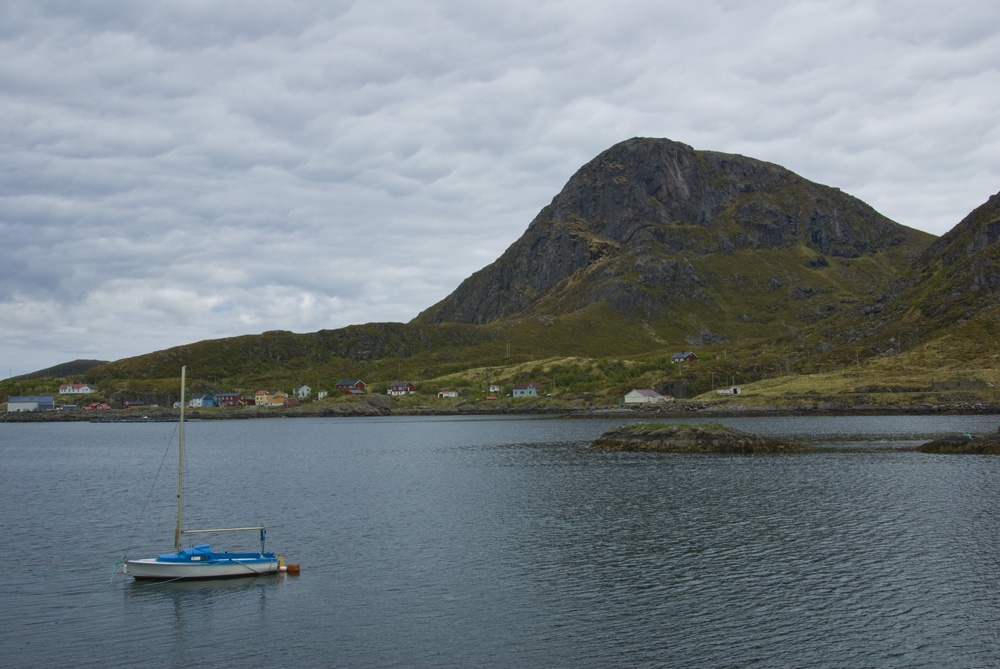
(964, 444)
(699, 438)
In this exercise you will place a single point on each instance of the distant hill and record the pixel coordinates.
(65, 369)
(702, 246)
(650, 248)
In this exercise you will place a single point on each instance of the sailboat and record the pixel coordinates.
(200, 562)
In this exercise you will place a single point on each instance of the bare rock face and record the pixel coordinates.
(626, 227)
(700, 438)
(963, 266)
(956, 279)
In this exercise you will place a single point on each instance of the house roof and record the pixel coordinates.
(647, 393)
(521, 385)
(349, 382)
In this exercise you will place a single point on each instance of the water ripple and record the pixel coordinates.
(508, 543)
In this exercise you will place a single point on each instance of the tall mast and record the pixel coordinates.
(180, 465)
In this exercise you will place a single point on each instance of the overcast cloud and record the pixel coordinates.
(173, 172)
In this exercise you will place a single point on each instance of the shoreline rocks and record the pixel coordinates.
(964, 444)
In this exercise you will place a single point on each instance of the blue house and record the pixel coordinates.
(200, 401)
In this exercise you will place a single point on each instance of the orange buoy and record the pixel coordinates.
(292, 569)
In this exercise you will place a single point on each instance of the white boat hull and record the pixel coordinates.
(153, 568)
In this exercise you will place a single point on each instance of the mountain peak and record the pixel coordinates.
(636, 226)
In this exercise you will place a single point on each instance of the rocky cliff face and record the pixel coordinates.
(960, 273)
(652, 223)
(955, 280)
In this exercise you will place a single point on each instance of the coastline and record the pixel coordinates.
(678, 409)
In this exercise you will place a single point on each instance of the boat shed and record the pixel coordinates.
(18, 403)
(645, 397)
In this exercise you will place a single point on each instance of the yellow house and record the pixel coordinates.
(270, 398)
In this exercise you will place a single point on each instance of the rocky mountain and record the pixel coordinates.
(702, 245)
(959, 275)
(955, 280)
(654, 245)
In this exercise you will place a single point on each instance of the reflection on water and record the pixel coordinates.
(195, 613)
(456, 542)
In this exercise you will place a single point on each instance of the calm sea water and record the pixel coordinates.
(503, 542)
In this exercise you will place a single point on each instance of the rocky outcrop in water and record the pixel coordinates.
(700, 438)
(964, 444)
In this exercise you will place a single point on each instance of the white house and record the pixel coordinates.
(76, 389)
(728, 390)
(448, 393)
(201, 401)
(321, 395)
(494, 389)
(302, 392)
(526, 389)
(645, 397)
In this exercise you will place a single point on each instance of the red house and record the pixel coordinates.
(402, 388)
(350, 384)
(233, 400)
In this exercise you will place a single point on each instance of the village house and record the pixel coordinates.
(201, 401)
(272, 398)
(683, 356)
(76, 389)
(526, 389)
(728, 390)
(448, 393)
(302, 392)
(321, 395)
(19, 403)
(401, 388)
(233, 400)
(645, 397)
(351, 385)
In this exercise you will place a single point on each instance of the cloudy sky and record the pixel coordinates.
(187, 170)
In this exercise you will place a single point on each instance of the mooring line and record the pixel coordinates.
(110, 581)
